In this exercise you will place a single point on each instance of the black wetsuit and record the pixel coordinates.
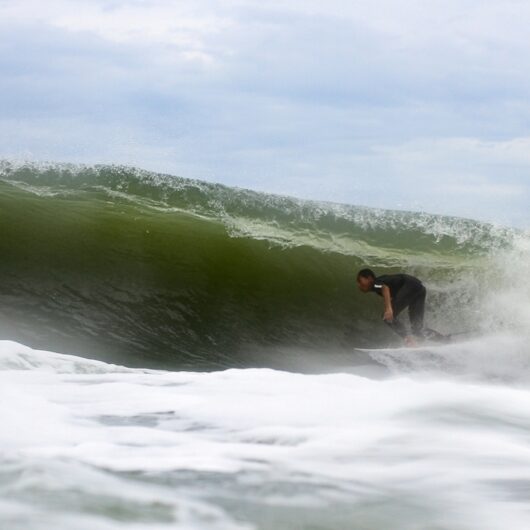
(405, 291)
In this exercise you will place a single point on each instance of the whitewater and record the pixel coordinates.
(177, 354)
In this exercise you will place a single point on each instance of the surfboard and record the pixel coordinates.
(434, 340)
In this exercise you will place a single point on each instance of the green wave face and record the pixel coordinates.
(149, 269)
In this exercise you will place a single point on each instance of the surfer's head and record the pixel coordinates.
(365, 280)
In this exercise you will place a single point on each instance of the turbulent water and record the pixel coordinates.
(207, 376)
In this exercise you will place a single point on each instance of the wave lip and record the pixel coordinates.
(281, 219)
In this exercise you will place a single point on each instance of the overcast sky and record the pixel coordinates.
(420, 105)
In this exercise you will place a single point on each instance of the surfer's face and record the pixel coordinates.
(365, 284)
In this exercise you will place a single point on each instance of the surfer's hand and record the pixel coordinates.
(388, 315)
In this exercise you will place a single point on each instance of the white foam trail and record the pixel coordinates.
(111, 448)
(500, 357)
(14, 356)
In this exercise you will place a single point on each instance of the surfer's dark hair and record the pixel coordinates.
(365, 273)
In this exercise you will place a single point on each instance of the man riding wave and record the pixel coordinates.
(400, 291)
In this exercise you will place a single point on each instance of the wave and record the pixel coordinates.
(145, 269)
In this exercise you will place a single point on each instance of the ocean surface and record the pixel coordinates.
(176, 354)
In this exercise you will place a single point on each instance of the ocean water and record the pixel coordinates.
(177, 354)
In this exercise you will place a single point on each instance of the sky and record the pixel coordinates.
(405, 104)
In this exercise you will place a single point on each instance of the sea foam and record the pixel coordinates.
(256, 448)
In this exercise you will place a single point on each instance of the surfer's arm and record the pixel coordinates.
(389, 314)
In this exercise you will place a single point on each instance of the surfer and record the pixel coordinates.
(400, 291)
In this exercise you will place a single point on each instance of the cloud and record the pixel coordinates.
(393, 104)
(464, 176)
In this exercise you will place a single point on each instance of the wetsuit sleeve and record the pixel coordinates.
(378, 284)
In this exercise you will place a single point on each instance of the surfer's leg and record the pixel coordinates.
(417, 311)
(399, 303)
(397, 327)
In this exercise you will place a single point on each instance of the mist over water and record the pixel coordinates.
(179, 354)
